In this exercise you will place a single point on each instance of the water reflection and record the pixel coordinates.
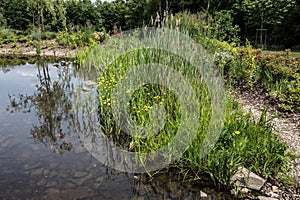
(52, 105)
(61, 124)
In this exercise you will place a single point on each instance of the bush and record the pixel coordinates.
(201, 25)
(48, 35)
(36, 34)
(278, 72)
(77, 39)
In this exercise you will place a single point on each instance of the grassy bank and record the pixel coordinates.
(242, 141)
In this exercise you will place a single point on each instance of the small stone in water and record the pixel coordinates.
(51, 184)
(80, 174)
(89, 83)
(37, 171)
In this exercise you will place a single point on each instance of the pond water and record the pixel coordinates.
(41, 153)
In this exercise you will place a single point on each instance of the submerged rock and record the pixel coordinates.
(89, 83)
(79, 174)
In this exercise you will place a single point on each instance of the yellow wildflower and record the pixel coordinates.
(237, 132)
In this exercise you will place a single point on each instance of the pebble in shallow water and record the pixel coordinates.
(79, 174)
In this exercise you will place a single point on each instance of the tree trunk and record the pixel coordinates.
(39, 16)
(261, 30)
(42, 19)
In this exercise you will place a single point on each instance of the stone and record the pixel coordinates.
(266, 198)
(37, 171)
(89, 83)
(245, 190)
(80, 181)
(79, 174)
(69, 185)
(52, 192)
(42, 182)
(203, 195)
(27, 167)
(46, 172)
(51, 184)
(53, 174)
(244, 178)
(274, 195)
(275, 189)
(233, 193)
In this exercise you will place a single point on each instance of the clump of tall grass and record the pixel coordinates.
(242, 142)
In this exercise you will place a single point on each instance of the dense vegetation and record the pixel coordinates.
(243, 141)
(280, 18)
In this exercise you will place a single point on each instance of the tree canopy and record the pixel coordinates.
(280, 17)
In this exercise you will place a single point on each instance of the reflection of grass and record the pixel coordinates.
(243, 142)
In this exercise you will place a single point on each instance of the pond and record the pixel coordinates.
(42, 154)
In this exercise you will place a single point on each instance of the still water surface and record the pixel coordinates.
(41, 154)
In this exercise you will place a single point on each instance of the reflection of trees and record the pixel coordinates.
(52, 104)
(8, 62)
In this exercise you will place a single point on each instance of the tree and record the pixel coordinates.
(49, 14)
(261, 13)
(82, 13)
(15, 13)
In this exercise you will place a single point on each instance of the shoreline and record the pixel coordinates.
(46, 51)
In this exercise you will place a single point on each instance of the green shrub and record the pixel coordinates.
(201, 25)
(248, 65)
(36, 34)
(48, 35)
(23, 39)
(76, 39)
(29, 43)
(4, 33)
(280, 74)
